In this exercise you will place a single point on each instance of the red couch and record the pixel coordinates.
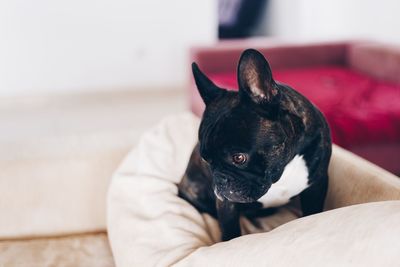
(355, 84)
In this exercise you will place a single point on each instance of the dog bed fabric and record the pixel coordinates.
(149, 225)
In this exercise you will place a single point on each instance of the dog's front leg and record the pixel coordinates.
(313, 198)
(228, 219)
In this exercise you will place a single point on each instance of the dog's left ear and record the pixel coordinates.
(256, 83)
(207, 89)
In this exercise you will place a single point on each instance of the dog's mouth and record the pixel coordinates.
(233, 196)
(218, 195)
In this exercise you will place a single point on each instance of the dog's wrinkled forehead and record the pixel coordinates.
(230, 126)
(224, 122)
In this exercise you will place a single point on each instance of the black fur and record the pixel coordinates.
(267, 122)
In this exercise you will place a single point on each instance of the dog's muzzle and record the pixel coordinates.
(218, 195)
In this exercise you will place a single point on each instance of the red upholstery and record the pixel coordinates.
(359, 108)
(356, 84)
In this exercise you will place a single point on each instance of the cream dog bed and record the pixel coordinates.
(149, 225)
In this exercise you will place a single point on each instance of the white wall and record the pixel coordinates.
(334, 19)
(69, 45)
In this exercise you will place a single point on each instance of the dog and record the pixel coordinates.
(258, 147)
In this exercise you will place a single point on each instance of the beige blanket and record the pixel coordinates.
(150, 226)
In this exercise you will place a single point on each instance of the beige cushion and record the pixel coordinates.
(58, 153)
(150, 226)
(57, 185)
(361, 235)
(77, 250)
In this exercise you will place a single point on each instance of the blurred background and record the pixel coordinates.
(90, 46)
(80, 80)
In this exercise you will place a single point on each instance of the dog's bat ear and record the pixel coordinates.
(256, 83)
(207, 89)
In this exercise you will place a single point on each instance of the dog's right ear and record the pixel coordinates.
(207, 89)
(256, 83)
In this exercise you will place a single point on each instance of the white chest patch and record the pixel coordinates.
(293, 181)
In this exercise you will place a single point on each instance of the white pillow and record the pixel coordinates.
(149, 225)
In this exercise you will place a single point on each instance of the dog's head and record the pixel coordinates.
(246, 137)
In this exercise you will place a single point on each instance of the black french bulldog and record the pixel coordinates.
(257, 148)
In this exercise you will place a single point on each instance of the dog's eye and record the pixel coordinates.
(239, 158)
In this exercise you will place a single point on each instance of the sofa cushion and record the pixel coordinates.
(359, 109)
(74, 250)
(149, 225)
(58, 152)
